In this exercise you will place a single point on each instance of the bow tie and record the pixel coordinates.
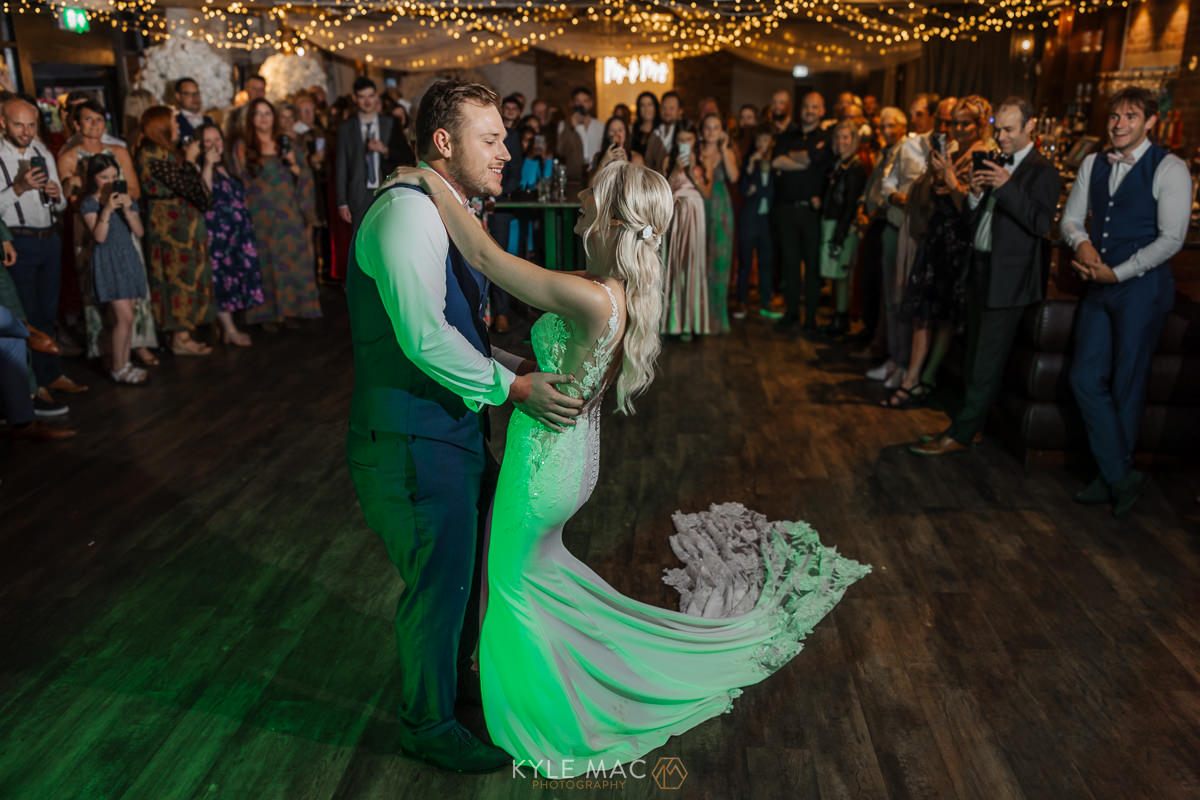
(1115, 157)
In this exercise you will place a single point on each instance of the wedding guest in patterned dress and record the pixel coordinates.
(237, 278)
(91, 124)
(685, 304)
(719, 162)
(279, 194)
(176, 240)
(117, 275)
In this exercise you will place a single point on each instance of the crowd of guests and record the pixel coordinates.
(935, 217)
(195, 222)
(928, 221)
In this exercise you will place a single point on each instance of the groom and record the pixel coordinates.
(423, 373)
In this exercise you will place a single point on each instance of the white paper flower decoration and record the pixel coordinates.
(182, 57)
(287, 74)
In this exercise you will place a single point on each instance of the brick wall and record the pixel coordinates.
(705, 76)
(1187, 88)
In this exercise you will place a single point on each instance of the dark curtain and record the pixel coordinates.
(984, 67)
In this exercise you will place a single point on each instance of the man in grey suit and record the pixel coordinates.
(363, 156)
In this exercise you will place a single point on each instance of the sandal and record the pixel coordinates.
(129, 375)
(146, 356)
(907, 398)
(901, 398)
(191, 347)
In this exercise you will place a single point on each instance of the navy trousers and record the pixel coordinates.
(428, 501)
(754, 234)
(1116, 333)
(38, 277)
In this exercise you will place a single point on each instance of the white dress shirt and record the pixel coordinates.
(1172, 190)
(666, 133)
(909, 164)
(402, 245)
(592, 136)
(26, 211)
(983, 233)
(194, 119)
(372, 156)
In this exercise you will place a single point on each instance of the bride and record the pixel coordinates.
(571, 670)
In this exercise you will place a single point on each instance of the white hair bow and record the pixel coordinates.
(647, 232)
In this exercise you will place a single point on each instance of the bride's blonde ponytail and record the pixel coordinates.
(640, 201)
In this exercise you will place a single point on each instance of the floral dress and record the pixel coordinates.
(176, 240)
(237, 278)
(281, 207)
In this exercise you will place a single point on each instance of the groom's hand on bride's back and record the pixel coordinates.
(534, 393)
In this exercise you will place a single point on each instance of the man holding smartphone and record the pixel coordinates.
(1011, 207)
(30, 198)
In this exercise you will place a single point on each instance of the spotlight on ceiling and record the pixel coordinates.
(799, 71)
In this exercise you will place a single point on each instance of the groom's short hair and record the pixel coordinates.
(440, 108)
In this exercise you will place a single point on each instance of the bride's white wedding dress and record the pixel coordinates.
(572, 669)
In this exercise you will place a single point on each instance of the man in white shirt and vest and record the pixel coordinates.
(424, 374)
(30, 198)
(1137, 196)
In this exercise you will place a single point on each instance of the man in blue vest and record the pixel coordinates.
(424, 373)
(1138, 198)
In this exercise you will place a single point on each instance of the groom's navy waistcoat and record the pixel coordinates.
(391, 393)
(1127, 221)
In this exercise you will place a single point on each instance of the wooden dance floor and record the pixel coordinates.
(191, 605)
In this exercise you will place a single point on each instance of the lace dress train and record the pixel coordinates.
(571, 668)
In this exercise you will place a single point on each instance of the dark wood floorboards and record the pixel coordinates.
(192, 607)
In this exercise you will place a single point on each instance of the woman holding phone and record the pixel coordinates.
(237, 277)
(117, 275)
(617, 146)
(685, 305)
(719, 160)
(176, 241)
(91, 123)
(935, 296)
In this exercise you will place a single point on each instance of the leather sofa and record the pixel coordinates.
(1036, 414)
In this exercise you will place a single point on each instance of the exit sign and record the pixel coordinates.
(74, 20)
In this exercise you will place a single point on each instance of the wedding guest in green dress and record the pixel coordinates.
(281, 200)
(719, 159)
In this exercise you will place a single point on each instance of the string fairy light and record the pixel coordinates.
(423, 34)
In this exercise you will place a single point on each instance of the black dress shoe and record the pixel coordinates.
(787, 323)
(1126, 492)
(1097, 493)
(456, 750)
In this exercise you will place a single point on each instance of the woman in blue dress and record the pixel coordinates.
(237, 277)
(118, 277)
